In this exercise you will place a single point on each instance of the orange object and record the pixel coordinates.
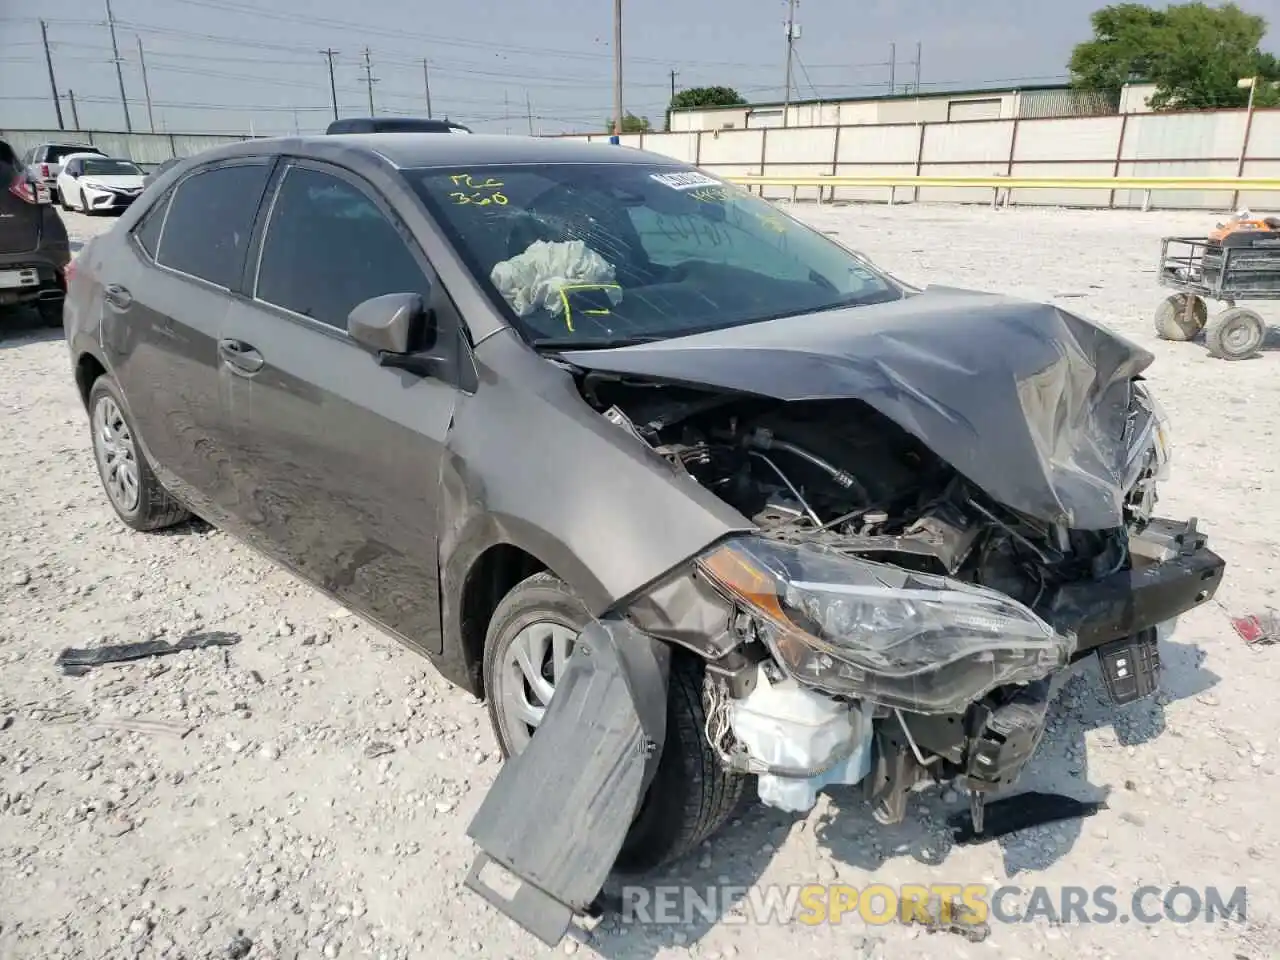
(1247, 224)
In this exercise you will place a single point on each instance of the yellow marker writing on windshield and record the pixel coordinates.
(571, 287)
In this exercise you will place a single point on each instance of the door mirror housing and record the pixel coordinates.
(400, 329)
(395, 323)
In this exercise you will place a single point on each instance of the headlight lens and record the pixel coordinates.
(852, 627)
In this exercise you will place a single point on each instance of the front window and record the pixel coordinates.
(91, 167)
(618, 252)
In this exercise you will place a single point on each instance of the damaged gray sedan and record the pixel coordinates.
(689, 492)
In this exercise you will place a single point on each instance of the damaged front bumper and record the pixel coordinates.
(553, 822)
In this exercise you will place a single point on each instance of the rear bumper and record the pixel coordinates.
(46, 271)
(1173, 571)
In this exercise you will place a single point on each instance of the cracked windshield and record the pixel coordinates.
(620, 253)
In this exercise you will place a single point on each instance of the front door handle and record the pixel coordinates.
(240, 356)
(117, 296)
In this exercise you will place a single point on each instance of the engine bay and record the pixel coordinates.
(840, 475)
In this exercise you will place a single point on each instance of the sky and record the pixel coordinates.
(546, 66)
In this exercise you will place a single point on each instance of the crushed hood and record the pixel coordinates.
(1029, 402)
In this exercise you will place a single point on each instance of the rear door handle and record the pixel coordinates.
(240, 356)
(117, 296)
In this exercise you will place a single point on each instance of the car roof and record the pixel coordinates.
(410, 150)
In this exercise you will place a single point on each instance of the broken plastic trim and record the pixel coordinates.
(551, 826)
(851, 627)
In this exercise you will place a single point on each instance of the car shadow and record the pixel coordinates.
(843, 837)
(21, 326)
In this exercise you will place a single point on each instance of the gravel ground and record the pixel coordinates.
(306, 792)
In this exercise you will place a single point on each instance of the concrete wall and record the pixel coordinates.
(1196, 144)
(145, 149)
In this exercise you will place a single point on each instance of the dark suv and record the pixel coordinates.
(686, 490)
(34, 250)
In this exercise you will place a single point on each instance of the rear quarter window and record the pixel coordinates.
(210, 219)
(147, 233)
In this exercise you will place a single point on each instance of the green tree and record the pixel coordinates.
(1194, 54)
(704, 97)
(630, 124)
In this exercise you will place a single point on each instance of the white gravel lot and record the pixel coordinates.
(273, 828)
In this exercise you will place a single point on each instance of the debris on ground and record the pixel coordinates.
(952, 917)
(76, 662)
(1258, 629)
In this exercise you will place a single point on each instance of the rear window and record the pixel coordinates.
(210, 218)
(55, 154)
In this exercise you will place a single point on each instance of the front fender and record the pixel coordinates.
(532, 465)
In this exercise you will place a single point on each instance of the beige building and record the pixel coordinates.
(993, 104)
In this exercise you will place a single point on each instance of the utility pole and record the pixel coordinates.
(333, 89)
(506, 113)
(673, 83)
(528, 109)
(791, 36)
(893, 66)
(115, 56)
(146, 87)
(426, 85)
(369, 78)
(917, 68)
(53, 84)
(75, 116)
(617, 68)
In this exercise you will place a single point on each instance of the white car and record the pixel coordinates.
(92, 183)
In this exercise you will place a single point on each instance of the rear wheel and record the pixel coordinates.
(1235, 334)
(1173, 322)
(135, 494)
(50, 312)
(527, 648)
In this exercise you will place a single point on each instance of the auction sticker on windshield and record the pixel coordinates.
(685, 180)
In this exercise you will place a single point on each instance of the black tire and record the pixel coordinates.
(62, 201)
(1172, 322)
(50, 312)
(1235, 334)
(692, 793)
(155, 508)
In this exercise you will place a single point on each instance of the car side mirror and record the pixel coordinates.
(392, 323)
(400, 329)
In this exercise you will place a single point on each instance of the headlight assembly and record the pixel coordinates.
(867, 630)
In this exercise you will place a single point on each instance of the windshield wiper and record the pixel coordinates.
(556, 344)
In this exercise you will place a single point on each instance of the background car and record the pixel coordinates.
(92, 183)
(44, 161)
(34, 251)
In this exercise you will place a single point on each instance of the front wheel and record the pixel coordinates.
(527, 648)
(1175, 322)
(135, 494)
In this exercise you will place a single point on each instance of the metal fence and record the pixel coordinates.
(1213, 144)
(145, 149)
